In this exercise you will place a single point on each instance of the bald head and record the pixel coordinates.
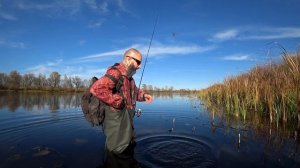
(133, 53)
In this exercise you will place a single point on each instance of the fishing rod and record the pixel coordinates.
(139, 111)
(148, 52)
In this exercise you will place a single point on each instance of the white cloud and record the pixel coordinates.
(121, 5)
(8, 16)
(82, 71)
(175, 50)
(86, 71)
(52, 8)
(55, 63)
(71, 7)
(101, 7)
(238, 57)
(96, 24)
(81, 42)
(40, 69)
(275, 33)
(225, 35)
(104, 54)
(33, 6)
(253, 33)
(12, 44)
(46, 68)
(159, 50)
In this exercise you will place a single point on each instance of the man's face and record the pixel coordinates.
(136, 60)
(131, 69)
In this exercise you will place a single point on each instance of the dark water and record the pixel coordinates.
(49, 130)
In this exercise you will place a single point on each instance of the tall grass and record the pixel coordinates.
(271, 90)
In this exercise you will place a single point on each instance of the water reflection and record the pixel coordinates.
(280, 141)
(171, 95)
(55, 101)
(175, 129)
(38, 101)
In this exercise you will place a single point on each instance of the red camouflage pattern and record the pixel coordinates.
(103, 89)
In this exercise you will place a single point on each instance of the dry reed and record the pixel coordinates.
(270, 90)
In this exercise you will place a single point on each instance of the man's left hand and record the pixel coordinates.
(148, 98)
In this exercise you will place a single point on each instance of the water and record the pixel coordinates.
(49, 130)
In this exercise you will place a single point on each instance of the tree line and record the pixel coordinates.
(56, 82)
(152, 88)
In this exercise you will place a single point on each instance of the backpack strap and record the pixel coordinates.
(118, 82)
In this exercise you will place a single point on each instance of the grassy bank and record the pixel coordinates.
(271, 91)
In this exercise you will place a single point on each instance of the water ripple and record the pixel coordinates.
(175, 151)
(27, 125)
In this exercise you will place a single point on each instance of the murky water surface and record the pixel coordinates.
(50, 130)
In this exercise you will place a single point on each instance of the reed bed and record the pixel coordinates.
(270, 90)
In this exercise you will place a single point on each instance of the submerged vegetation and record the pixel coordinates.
(271, 91)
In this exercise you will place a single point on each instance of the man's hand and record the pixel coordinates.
(118, 102)
(148, 98)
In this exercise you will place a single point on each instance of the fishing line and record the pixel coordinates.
(148, 52)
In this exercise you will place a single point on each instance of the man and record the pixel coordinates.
(118, 91)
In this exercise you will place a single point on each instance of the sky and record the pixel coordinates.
(196, 43)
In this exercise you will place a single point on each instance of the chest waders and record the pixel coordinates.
(118, 129)
(118, 124)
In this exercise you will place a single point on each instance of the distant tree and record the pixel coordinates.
(144, 87)
(86, 83)
(40, 82)
(28, 80)
(14, 80)
(67, 82)
(150, 87)
(3, 81)
(77, 82)
(54, 79)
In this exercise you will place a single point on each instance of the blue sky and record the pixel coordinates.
(196, 43)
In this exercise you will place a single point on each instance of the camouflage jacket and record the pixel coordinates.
(104, 89)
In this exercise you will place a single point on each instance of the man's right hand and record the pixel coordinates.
(118, 102)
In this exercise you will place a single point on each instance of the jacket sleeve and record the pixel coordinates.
(103, 90)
